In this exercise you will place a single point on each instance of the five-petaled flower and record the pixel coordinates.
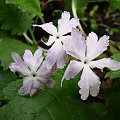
(56, 54)
(36, 74)
(86, 51)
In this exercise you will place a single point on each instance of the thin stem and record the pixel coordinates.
(42, 18)
(27, 38)
(32, 35)
(74, 11)
(35, 23)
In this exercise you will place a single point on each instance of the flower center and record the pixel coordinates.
(57, 37)
(34, 75)
(86, 61)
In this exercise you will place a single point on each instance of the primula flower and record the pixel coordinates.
(56, 54)
(86, 51)
(34, 70)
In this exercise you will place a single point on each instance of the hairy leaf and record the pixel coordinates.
(14, 19)
(31, 6)
(5, 78)
(51, 104)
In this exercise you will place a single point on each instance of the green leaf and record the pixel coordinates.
(8, 45)
(113, 105)
(5, 78)
(51, 104)
(115, 3)
(113, 74)
(14, 19)
(30, 6)
(116, 57)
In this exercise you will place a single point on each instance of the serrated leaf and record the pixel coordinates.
(8, 45)
(50, 104)
(5, 78)
(14, 19)
(30, 6)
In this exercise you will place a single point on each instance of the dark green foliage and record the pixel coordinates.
(14, 19)
(5, 78)
(30, 6)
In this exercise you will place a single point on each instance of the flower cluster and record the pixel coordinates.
(56, 54)
(36, 71)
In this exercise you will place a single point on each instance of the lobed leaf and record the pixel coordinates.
(50, 104)
(14, 19)
(30, 6)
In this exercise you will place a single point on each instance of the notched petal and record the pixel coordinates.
(89, 83)
(56, 55)
(105, 62)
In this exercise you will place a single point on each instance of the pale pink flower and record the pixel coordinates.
(34, 70)
(86, 51)
(56, 54)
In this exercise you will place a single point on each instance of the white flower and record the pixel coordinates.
(56, 54)
(86, 51)
(34, 70)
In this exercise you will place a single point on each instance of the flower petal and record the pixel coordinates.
(105, 62)
(48, 27)
(50, 83)
(72, 70)
(38, 58)
(16, 58)
(89, 83)
(65, 25)
(14, 67)
(50, 40)
(33, 62)
(27, 85)
(28, 58)
(43, 71)
(38, 54)
(19, 65)
(38, 85)
(75, 45)
(57, 55)
(99, 46)
(65, 15)
(74, 22)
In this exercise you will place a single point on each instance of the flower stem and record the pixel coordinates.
(32, 35)
(27, 38)
(41, 18)
(74, 11)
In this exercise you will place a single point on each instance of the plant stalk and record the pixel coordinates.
(74, 11)
(27, 38)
